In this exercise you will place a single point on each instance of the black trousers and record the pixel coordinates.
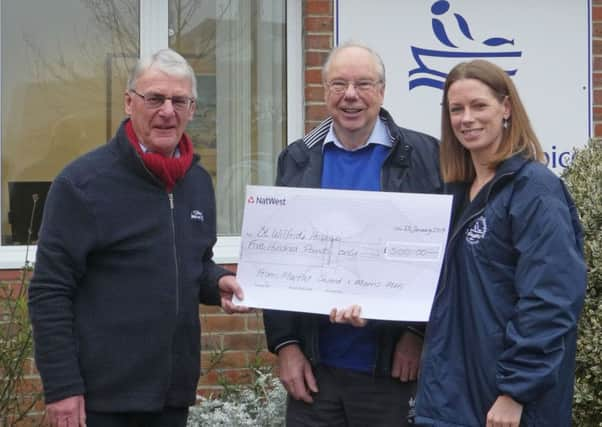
(352, 399)
(169, 417)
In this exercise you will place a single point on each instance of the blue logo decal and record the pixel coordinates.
(478, 231)
(431, 61)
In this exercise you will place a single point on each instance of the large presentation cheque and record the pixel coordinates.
(312, 250)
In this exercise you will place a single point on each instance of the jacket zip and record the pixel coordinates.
(379, 338)
(173, 232)
(461, 227)
(175, 252)
(396, 141)
(382, 179)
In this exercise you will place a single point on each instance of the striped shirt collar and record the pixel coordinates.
(379, 135)
(317, 134)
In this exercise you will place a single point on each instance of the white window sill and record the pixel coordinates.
(226, 251)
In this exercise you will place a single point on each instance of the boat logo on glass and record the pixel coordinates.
(457, 43)
(478, 231)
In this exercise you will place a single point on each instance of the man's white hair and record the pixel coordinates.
(380, 65)
(166, 60)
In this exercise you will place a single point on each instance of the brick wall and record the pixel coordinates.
(230, 345)
(239, 339)
(10, 288)
(318, 39)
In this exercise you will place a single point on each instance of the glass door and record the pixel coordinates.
(238, 50)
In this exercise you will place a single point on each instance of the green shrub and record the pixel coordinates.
(584, 179)
(16, 400)
(16, 344)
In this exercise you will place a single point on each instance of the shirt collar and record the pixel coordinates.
(379, 135)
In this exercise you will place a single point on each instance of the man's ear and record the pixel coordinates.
(127, 103)
(192, 110)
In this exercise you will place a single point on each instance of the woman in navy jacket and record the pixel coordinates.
(500, 344)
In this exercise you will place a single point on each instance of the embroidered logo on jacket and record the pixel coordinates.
(477, 231)
(197, 216)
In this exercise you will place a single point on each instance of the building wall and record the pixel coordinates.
(232, 344)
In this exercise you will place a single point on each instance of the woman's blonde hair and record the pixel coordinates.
(518, 136)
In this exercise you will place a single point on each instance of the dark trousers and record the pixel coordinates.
(351, 399)
(169, 417)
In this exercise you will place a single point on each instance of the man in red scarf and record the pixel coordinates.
(124, 259)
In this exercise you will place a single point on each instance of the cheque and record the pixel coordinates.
(311, 250)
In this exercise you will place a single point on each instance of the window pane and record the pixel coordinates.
(237, 48)
(63, 71)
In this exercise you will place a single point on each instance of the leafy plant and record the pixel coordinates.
(259, 402)
(584, 179)
(16, 346)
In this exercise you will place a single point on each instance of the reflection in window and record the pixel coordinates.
(64, 67)
(237, 48)
(62, 95)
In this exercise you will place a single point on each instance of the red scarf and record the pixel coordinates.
(167, 169)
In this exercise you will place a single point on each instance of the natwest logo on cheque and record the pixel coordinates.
(259, 200)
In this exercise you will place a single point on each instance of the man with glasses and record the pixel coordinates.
(124, 259)
(338, 374)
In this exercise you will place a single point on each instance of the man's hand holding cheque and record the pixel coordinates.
(406, 358)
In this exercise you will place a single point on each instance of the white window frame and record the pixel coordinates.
(154, 15)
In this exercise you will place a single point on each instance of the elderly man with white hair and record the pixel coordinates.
(124, 259)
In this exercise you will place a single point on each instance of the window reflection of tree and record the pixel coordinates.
(85, 79)
(70, 85)
(201, 30)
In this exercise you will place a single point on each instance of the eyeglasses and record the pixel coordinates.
(156, 100)
(340, 86)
